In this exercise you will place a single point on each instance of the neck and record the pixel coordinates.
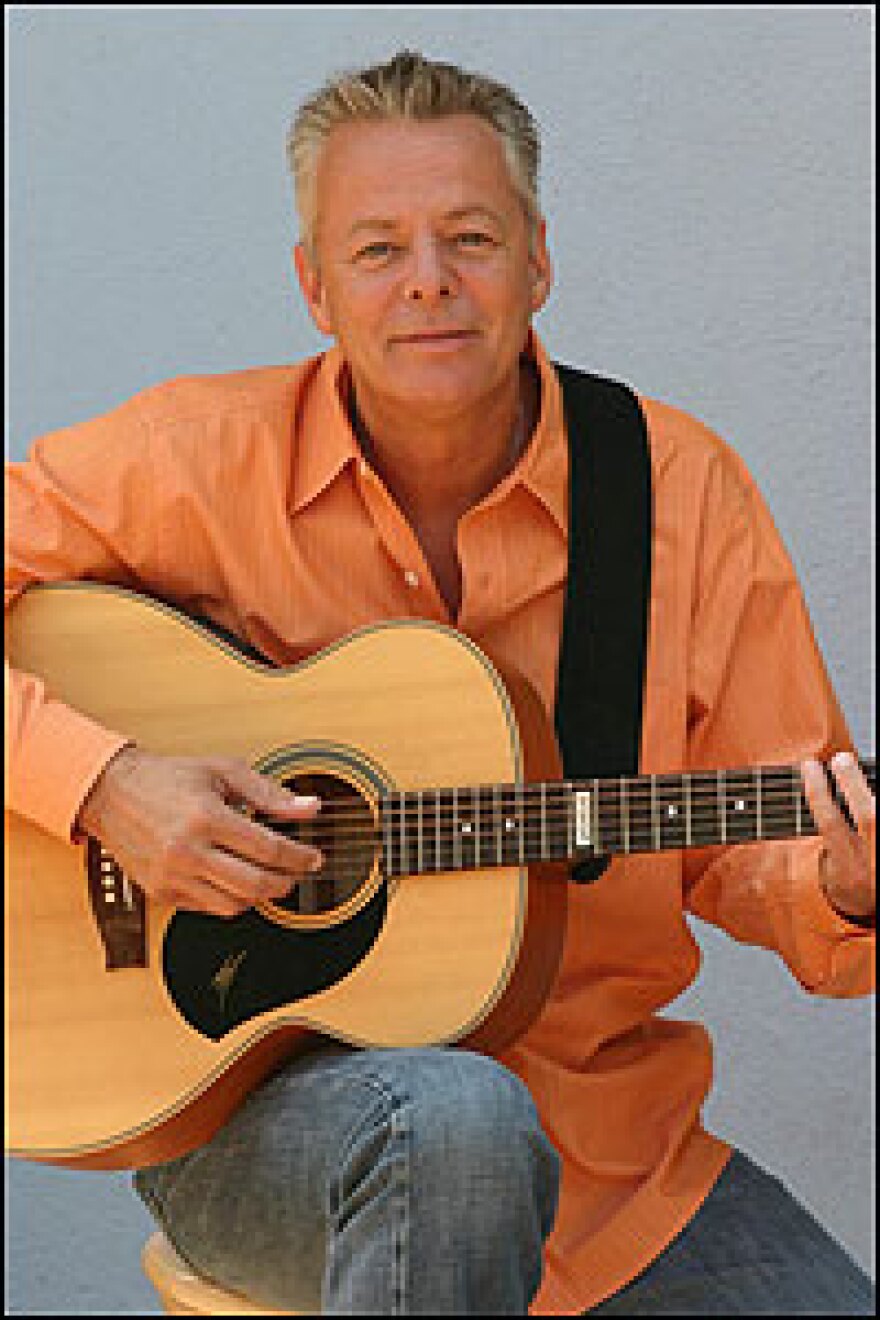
(439, 467)
(447, 829)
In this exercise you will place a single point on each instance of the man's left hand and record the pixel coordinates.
(847, 870)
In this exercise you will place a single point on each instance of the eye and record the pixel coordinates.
(474, 238)
(376, 251)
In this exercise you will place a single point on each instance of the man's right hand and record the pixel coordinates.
(172, 825)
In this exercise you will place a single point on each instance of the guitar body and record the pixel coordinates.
(114, 1067)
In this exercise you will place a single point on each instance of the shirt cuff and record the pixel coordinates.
(54, 772)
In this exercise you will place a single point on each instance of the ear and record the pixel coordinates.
(541, 268)
(313, 290)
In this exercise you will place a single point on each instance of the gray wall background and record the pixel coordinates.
(708, 181)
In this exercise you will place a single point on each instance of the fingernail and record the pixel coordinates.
(842, 760)
(316, 863)
(309, 800)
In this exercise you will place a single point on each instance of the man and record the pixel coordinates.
(419, 468)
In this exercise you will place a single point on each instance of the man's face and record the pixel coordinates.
(423, 273)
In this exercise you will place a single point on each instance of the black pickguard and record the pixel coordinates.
(266, 965)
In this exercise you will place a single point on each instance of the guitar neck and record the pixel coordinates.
(452, 829)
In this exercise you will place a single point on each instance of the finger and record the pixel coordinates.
(829, 820)
(260, 845)
(856, 791)
(193, 893)
(263, 793)
(214, 902)
(241, 880)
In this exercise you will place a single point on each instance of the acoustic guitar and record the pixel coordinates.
(134, 1029)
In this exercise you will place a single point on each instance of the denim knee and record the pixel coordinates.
(478, 1135)
(460, 1139)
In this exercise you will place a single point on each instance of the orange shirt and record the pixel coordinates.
(244, 497)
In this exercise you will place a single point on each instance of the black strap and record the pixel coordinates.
(603, 650)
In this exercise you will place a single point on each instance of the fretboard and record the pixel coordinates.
(470, 828)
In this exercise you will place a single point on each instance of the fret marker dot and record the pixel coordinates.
(466, 828)
(671, 811)
(509, 825)
(740, 805)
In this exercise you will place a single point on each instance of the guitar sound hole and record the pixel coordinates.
(345, 832)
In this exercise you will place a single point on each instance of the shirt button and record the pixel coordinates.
(412, 579)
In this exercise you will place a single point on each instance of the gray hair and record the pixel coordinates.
(410, 86)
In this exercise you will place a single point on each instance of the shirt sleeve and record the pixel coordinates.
(69, 516)
(758, 692)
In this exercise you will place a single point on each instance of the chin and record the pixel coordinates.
(444, 380)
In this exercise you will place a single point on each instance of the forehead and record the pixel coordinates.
(391, 167)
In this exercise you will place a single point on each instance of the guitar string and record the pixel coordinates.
(610, 823)
(645, 806)
(653, 838)
(704, 787)
(348, 864)
(776, 813)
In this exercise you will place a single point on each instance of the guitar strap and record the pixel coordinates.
(603, 650)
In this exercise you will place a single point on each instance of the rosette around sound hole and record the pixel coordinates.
(345, 831)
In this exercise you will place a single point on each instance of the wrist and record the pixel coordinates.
(93, 807)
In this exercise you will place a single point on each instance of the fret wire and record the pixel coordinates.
(438, 858)
(476, 827)
(389, 859)
(757, 778)
(594, 804)
(543, 820)
(456, 837)
(720, 782)
(496, 801)
(624, 813)
(570, 822)
(655, 823)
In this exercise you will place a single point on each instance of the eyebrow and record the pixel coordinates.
(385, 225)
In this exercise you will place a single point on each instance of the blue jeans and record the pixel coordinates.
(381, 1182)
(391, 1182)
(751, 1249)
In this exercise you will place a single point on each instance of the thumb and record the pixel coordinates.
(263, 793)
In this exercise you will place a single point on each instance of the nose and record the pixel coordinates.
(429, 278)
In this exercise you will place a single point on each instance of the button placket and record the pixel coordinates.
(398, 538)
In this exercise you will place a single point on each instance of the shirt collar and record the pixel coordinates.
(543, 469)
(326, 443)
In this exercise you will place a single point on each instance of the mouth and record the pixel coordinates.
(434, 337)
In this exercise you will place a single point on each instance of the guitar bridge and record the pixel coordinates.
(119, 908)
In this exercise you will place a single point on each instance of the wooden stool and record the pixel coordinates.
(184, 1293)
